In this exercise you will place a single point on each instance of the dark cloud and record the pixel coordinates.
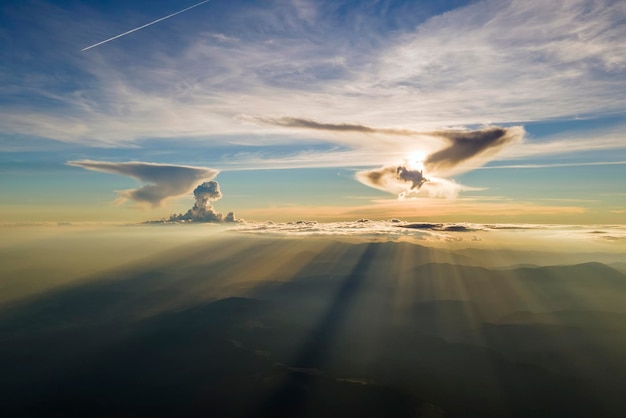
(440, 227)
(202, 210)
(464, 145)
(289, 122)
(393, 178)
(613, 238)
(514, 227)
(164, 180)
(413, 176)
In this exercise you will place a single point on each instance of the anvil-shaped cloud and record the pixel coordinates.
(163, 180)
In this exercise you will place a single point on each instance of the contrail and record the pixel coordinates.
(145, 26)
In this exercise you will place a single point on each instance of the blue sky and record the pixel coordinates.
(212, 87)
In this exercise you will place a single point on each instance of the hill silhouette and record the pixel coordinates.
(344, 329)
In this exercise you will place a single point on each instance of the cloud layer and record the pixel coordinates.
(448, 232)
(162, 180)
(365, 227)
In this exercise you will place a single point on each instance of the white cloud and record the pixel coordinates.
(428, 231)
(361, 228)
(203, 211)
(490, 62)
(511, 61)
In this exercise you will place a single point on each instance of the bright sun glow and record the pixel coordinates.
(416, 161)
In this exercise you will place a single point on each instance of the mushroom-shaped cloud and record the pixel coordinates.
(162, 181)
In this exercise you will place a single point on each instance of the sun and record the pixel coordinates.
(416, 161)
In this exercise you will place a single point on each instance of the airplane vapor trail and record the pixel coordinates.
(144, 26)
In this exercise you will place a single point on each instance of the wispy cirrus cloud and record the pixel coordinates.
(555, 165)
(291, 122)
(569, 143)
(489, 62)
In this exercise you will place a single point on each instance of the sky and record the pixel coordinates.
(447, 111)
